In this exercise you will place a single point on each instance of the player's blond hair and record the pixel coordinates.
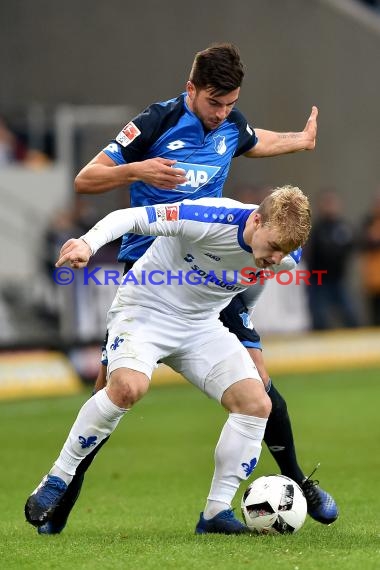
(287, 210)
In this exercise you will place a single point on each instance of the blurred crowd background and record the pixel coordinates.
(73, 74)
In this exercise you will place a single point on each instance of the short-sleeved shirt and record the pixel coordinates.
(171, 130)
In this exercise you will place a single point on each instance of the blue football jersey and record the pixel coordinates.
(171, 130)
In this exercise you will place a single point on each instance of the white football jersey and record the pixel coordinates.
(199, 262)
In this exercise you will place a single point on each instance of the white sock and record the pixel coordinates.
(97, 419)
(236, 455)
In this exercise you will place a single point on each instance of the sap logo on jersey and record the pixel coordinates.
(197, 175)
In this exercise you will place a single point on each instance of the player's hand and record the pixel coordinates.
(160, 172)
(75, 252)
(311, 129)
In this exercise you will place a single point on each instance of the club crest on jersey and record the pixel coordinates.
(128, 134)
(167, 213)
(220, 144)
(197, 175)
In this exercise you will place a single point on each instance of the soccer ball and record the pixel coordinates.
(274, 504)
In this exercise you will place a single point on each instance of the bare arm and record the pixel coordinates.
(101, 174)
(257, 357)
(271, 143)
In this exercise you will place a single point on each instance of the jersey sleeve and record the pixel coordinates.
(134, 140)
(247, 135)
(158, 220)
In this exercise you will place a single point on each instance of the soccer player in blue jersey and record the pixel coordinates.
(182, 149)
(194, 343)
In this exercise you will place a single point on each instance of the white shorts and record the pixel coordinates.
(204, 352)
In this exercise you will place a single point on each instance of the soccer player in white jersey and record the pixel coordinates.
(221, 241)
(183, 148)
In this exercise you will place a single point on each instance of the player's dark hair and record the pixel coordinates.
(217, 68)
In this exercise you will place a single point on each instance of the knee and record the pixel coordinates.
(261, 407)
(247, 397)
(126, 387)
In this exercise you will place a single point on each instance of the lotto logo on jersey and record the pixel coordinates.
(128, 134)
(197, 175)
(167, 213)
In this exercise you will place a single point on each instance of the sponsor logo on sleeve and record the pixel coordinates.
(167, 213)
(128, 134)
(171, 213)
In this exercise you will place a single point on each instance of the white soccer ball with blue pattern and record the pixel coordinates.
(274, 504)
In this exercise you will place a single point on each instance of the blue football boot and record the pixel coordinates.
(224, 522)
(320, 505)
(58, 520)
(42, 503)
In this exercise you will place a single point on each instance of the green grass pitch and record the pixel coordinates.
(143, 493)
